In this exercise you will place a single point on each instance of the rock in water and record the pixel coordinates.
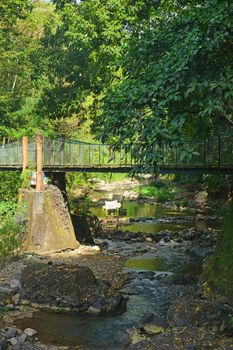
(30, 332)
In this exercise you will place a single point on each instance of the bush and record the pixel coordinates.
(9, 237)
(184, 202)
(11, 233)
(162, 195)
(9, 184)
(219, 266)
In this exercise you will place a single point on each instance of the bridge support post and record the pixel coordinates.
(39, 163)
(24, 152)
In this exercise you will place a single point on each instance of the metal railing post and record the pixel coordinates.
(39, 161)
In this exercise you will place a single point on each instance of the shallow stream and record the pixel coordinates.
(156, 275)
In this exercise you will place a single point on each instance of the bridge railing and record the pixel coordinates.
(11, 154)
(214, 153)
(61, 152)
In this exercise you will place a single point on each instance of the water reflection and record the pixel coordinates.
(143, 210)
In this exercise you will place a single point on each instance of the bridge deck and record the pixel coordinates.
(129, 169)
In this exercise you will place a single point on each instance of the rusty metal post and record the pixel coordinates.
(39, 161)
(24, 152)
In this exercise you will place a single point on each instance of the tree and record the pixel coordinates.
(22, 73)
(177, 78)
(84, 54)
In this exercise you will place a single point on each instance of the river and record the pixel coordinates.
(152, 282)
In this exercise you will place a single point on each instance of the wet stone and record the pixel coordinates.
(3, 344)
(22, 339)
(30, 332)
(11, 333)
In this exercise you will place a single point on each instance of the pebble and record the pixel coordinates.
(15, 299)
(13, 341)
(30, 332)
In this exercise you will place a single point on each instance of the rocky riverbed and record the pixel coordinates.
(131, 291)
(174, 311)
(77, 281)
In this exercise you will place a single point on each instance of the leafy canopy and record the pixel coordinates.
(177, 79)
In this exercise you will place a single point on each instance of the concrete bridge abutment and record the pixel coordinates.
(49, 226)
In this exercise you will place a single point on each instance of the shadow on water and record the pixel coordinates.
(89, 331)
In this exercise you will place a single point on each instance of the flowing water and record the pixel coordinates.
(150, 286)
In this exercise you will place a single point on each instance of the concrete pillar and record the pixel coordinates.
(39, 163)
(25, 152)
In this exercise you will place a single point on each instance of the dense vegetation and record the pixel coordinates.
(219, 267)
(125, 71)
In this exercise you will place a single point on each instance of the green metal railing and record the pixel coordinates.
(67, 153)
(61, 153)
(11, 154)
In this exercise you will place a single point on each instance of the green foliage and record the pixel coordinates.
(75, 180)
(162, 195)
(83, 208)
(25, 179)
(219, 267)
(9, 184)
(184, 202)
(219, 184)
(177, 79)
(230, 321)
(9, 237)
(22, 64)
(4, 310)
(11, 232)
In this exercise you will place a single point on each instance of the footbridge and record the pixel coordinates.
(65, 155)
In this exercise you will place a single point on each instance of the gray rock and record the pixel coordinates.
(15, 299)
(179, 278)
(13, 341)
(5, 291)
(10, 307)
(152, 324)
(3, 344)
(182, 322)
(15, 284)
(22, 339)
(30, 332)
(11, 333)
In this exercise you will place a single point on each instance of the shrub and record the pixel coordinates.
(162, 194)
(219, 266)
(11, 233)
